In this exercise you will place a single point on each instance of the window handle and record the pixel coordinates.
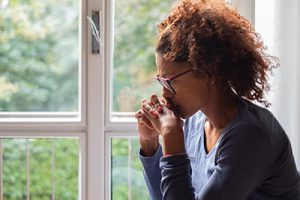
(94, 22)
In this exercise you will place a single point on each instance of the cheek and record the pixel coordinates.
(190, 99)
(185, 102)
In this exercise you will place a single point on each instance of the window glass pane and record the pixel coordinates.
(40, 164)
(14, 168)
(50, 168)
(127, 176)
(39, 55)
(134, 51)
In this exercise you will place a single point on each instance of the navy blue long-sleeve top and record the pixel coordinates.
(251, 160)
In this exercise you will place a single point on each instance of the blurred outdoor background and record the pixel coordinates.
(39, 72)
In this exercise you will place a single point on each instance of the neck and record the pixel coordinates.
(220, 110)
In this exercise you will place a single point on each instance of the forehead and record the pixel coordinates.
(168, 68)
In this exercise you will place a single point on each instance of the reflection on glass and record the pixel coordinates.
(134, 51)
(127, 176)
(39, 55)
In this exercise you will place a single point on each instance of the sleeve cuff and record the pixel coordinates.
(174, 160)
(146, 161)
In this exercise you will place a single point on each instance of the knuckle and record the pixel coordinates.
(153, 96)
(143, 101)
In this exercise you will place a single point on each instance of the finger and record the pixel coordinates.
(141, 113)
(154, 100)
(138, 114)
(163, 101)
(149, 110)
(146, 122)
(147, 101)
(139, 120)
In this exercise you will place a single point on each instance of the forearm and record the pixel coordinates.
(148, 148)
(173, 142)
(176, 183)
(176, 180)
(152, 173)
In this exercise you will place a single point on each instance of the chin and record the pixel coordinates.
(186, 114)
(183, 115)
(181, 111)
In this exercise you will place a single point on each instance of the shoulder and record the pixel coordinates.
(255, 115)
(246, 133)
(260, 122)
(252, 123)
(247, 142)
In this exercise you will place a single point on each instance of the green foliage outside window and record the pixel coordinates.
(39, 55)
(127, 177)
(42, 152)
(134, 51)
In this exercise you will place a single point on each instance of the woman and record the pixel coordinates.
(212, 65)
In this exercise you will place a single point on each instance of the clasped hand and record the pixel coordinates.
(158, 117)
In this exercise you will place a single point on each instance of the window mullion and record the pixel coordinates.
(95, 108)
(1, 170)
(129, 168)
(27, 170)
(53, 169)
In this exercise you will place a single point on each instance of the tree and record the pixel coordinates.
(39, 56)
(134, 51)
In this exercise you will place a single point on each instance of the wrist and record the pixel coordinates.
(149, 147)
(173, 143)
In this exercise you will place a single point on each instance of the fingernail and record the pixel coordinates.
(159, 108)
(153, 113)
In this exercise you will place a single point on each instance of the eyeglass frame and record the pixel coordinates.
(167, 82)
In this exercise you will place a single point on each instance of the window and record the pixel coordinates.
(133, 63)
(42, 104)
(40, 59)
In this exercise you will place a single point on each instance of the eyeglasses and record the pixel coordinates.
(167, 82)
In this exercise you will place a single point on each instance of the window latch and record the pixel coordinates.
(94, 22)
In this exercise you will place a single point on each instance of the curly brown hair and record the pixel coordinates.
(220, 43)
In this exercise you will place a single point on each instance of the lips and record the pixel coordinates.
(170, 104)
